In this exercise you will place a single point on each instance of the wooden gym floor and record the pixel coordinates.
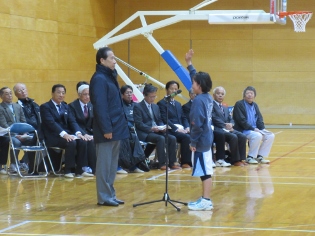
(275, 199)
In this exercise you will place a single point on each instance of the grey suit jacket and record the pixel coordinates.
(6, 116)
(218, 118)
(143, 120)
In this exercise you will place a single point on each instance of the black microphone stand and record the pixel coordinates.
(166, 198)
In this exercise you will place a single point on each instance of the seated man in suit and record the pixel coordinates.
(149, 124)
(218, 137)
(11, 113)
(178, 123)
(249, 121)
(223, 123)
(82, 110)
(58, 126)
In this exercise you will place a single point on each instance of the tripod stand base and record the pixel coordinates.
(165, 199)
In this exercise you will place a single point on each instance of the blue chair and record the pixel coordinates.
(23, 128)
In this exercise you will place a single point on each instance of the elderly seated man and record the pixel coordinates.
(223, 123)
(249, 120)
(11, 113)
(82, 111)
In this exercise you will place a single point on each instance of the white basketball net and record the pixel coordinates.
(300, 20)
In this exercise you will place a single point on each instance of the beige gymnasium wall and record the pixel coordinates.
(44, 42)
(274, 59)
(48, 42)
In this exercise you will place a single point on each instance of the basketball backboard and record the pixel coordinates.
(277, 6)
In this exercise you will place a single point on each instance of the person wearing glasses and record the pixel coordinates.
(249, 121)
(150, 128)
(32, 117)
(11, 113)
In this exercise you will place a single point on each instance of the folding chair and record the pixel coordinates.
(22, 128)
(57, 173)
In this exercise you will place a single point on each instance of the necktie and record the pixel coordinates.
(85, 112)
(150, 110)
(151, 114)
(221, 107)
(60, 110)
(173, 103)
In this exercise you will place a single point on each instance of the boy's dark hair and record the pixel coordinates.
(203, 79)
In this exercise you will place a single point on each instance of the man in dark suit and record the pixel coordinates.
(186, 107)
(178, 123)
(150, 128)
(109, 125)
(59, 127)
(223, 123)
(11, 113)
(82, 110)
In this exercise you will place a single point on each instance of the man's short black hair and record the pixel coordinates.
(169, 83)
(124, 88)
(102, 53)
(203, 79)
(149, 88)
(53, 89)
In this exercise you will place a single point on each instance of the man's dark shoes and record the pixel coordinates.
(119, 201)
(109, 203)
(143, 166)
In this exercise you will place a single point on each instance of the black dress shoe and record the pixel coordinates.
(109, 203)
(119, 201)
(143, 166)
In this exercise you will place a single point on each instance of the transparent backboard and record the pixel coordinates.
(277, 6)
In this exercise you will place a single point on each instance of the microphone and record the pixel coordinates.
(173, 94)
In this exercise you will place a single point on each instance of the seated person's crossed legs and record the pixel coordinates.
(28, 158)
(160, 141)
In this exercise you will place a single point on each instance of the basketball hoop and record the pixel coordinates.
(299, 18)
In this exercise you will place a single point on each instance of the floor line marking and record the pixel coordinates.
(157, 176)
(14, 226)
(175, 226)
(293, 150)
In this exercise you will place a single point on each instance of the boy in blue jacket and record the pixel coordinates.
(201, 137)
